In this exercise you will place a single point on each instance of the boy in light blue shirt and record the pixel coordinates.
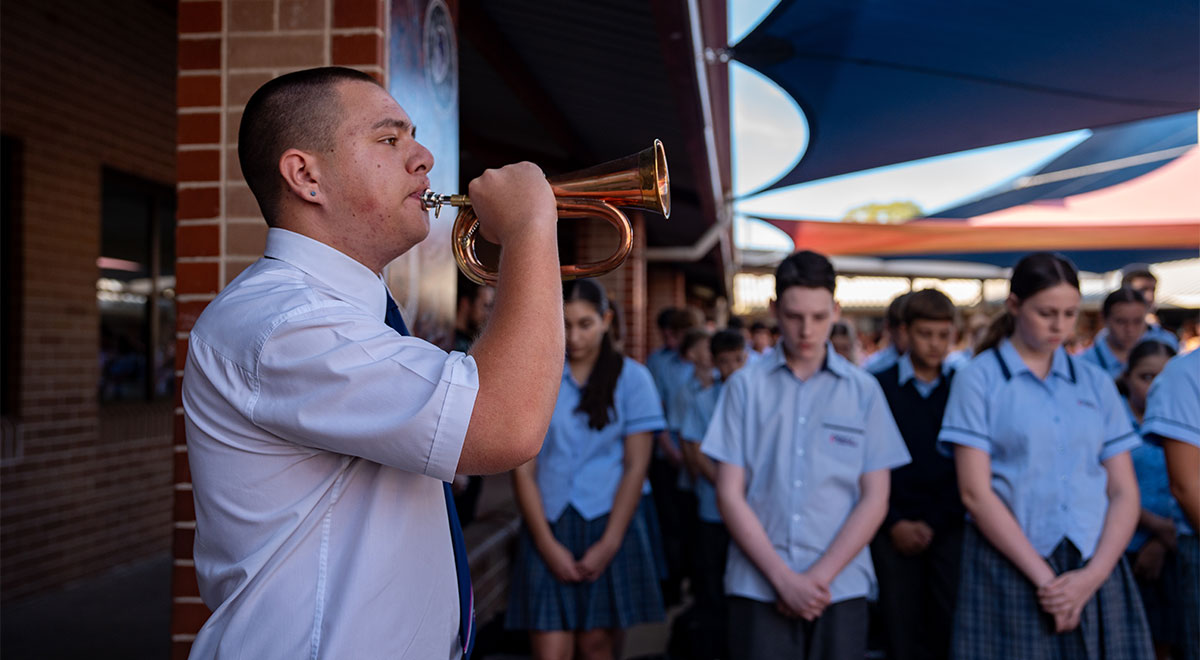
(804, 443)
(727, 350)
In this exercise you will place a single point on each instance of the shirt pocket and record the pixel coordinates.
(839, 449)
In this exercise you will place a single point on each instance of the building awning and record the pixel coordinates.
(883, 83)
(1157, 211)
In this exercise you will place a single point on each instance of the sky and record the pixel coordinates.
(770, 134)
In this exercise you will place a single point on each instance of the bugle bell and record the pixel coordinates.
(639, 180)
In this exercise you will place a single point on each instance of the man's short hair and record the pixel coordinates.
(298, 110)
(894, 316)
(691, 338)
(664, 318)
(928, 305)
(1134, 271)
(683, 319)
(758, 326)
(806, 269)
(727, 341)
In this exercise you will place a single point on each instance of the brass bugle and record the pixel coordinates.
(639, 180)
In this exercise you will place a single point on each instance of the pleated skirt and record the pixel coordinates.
(998, 615)
(626, 594)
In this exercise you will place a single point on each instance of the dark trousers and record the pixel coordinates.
(917, 595)
(712, 548)
(676, 511)
(758, 630)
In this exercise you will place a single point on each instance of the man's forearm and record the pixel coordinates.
(858, 530)
(520, 358)
(1183, 468)
(747, 531)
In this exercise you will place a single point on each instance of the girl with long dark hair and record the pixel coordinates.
(1041, 445)
(587, 564)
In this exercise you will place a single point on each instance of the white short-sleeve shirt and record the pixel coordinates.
(318, 440)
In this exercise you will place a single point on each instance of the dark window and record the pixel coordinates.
(136, 289)
(10, 295)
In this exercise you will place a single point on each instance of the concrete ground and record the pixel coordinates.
(122, 615)
(125, 615)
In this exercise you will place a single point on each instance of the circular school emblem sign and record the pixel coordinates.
(441, 54)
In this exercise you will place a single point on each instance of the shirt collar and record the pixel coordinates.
(834, 363)
(1060, 364)
(907, 372)
(350, 280)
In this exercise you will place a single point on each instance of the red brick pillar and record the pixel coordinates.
(595, 241)
(665, 287)
(227, 49)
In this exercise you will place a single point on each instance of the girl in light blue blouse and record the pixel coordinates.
(588, 561)
(1041, 445)
(1153, 552)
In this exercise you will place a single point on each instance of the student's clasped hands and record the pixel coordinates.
(1065, 596)
(802, 596)
(566, 568)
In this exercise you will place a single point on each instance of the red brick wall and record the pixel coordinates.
(86, 86)
(595, 241)
(227, 49)
(665, 287)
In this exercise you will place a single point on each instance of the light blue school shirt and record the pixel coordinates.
(907, 373)
(1150, 464)
(1101, 355)
(695, 424)
(882, 360)
(1047, 440)
(1173, 404)
(958, 358)
(803, 444)
(660, 362)
(581, 467)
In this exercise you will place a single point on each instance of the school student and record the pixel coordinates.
(1124, 313)
(586, 566)
(1173, 418)
(896, 346)
(804, 445)
(1161, 525)
(728, 353)
(1139, 278)
(917, 550)
(1041, 445)
(669, 369)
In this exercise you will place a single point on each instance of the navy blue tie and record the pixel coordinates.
(466, 597)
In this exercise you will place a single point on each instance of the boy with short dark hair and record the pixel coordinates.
(804, 445)
(917, 550)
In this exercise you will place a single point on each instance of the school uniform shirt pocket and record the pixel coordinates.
(840, 450)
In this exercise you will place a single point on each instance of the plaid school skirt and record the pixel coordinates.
(998, 615)
(1171, 600)
(626, 594)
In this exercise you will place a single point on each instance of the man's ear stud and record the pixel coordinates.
(313, 193)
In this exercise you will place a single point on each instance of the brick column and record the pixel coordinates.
(227, 49)
(596, 240)
(665, 287)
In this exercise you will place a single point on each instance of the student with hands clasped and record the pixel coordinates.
(1041, 443)
(588, 562)
(804, 445)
